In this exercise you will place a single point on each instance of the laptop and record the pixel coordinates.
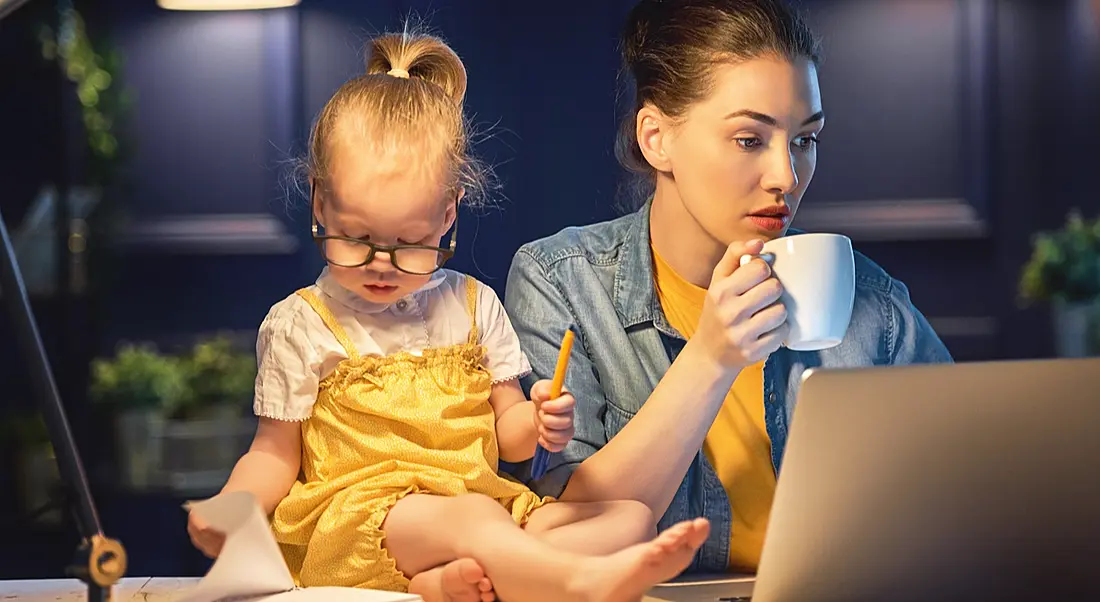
(940, 483)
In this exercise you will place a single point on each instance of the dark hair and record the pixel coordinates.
(670, 46)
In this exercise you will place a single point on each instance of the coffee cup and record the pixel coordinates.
(817, 271)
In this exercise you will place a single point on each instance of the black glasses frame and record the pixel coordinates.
(445, 253)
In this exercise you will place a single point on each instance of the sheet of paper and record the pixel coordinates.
(250, 563)
(251, 566)
(339, 594)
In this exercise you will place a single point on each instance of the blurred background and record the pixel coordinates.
(144, 163)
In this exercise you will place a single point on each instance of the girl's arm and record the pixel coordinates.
(288, 376)
(288, 372)
(516, 431)
(271, 465)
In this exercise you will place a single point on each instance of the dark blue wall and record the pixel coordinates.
(203, 108)
(917, 94)
(948, 100)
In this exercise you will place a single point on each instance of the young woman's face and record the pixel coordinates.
(382, 200)
(742, 157)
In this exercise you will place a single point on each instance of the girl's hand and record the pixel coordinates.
(205, 538)
(553, 417)
(742, 321)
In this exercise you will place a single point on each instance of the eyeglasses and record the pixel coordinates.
(347, 252)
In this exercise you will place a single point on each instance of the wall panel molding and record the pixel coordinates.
(247, 233)
(895, 220)
(964, 326)
(205, 234)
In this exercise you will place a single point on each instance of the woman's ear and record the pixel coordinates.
(652, 128)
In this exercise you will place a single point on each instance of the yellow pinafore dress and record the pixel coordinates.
(384, 427)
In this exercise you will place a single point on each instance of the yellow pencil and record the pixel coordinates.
(563, 364)
(542, 455)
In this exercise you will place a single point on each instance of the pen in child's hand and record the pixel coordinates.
(542, 455)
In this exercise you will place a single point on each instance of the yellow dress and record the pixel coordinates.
(383, 428)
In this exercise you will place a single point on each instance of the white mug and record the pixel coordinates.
(818, 275)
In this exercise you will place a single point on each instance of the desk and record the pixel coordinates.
(130, 589)
(167, 589)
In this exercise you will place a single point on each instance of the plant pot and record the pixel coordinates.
(200, 451)
(1072, 322)
(140, 433)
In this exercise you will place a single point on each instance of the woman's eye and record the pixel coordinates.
(749, 143)
(806, 142)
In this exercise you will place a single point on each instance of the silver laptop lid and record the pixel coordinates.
(940, 482)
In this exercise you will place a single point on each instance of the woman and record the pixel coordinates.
(679, 348)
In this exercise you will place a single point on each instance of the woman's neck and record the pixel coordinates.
(682, 242)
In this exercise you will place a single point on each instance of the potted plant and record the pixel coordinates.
(141, 387)
(1064, 271)
(209, 429)
(219, 379)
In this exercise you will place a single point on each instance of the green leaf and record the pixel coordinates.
(217, 373)
(138, 377)
(100, 80)
(1064, 264)
(88, 95)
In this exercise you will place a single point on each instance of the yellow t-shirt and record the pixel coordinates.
(737, 444)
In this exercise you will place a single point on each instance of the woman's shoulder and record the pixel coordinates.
(886, 321)
(876, 285)
(597, 243)
(870, 276)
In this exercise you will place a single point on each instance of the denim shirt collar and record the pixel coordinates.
(635, 296)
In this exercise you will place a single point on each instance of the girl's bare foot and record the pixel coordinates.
(626, 576)
(460, 581)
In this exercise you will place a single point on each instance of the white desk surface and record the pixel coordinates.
(167, 589)
(130, 589)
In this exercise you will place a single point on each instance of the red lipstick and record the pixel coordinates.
(771, 219)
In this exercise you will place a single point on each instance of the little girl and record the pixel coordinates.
(388, 391)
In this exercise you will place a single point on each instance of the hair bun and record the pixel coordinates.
(419, 56)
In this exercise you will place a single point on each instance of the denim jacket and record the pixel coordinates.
(599, 278)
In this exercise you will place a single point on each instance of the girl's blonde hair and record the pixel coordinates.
(409, 99)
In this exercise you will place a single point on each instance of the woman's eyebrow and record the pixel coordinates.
(772, 121)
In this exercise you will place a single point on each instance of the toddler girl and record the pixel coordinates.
(388, 391)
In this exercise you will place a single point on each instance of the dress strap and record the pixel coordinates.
(330, 321)
(471, 307)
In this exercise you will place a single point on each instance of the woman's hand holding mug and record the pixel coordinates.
(742, 321)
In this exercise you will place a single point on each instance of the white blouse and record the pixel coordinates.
(296, 351)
